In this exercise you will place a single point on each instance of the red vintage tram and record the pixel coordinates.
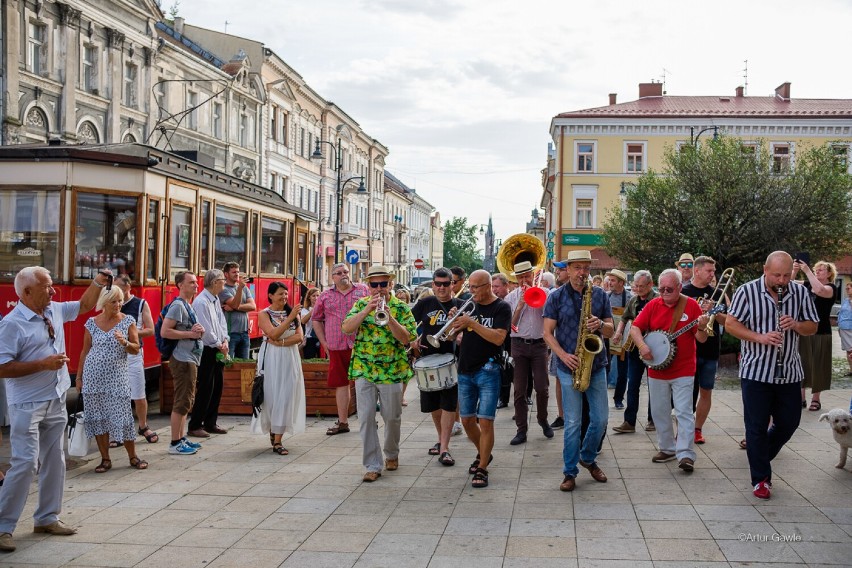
(146, 213)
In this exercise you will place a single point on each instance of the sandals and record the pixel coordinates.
(338, 428)
(447, 459)
(475, 465)
(480, 479)
(114, 444)
(105, 466)
(151, 437)
(435, 450)
(137, 463)
(815, 405)
(280, 450)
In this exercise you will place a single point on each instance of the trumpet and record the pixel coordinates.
(381, 317)
(444, 333)
(718, 296)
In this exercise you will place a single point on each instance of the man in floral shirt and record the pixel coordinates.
(379, 367)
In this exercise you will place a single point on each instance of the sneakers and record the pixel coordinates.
(625, 428)
(699, 437)
(686, 465)
(181, 449)
(545, 427)
(761, 490)
(663, 457)
(558, 424)
(193, 445)
(457, 428)
(6, 543)
(619, 406)
(56, 527)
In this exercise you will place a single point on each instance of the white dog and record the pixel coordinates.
(841, 425)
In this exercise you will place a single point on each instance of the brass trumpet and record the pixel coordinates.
(718, 296)
(381, 317)
(444, 333)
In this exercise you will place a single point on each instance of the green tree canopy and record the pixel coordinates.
(460, 240)
(735, 204)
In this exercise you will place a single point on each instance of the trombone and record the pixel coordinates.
(718, 296)
(444, 333)
(462, 290)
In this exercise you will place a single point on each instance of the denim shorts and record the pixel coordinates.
(705, 372)
(479, 391)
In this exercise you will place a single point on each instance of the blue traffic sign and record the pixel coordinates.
(352, 257)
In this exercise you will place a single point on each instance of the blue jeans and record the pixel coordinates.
(705, 377)
(635, 370)
(238, 344)
(572, 405)
(760, 402)
(479, 391)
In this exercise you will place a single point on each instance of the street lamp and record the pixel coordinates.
(693, 138)
(338, 166)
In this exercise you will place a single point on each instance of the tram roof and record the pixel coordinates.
(154, 159)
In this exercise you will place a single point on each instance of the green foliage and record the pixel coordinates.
(460, 240)
(730, 344)
(722, 201)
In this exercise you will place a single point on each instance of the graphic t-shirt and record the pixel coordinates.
(431, 315)
(710, 348)
(476, 351)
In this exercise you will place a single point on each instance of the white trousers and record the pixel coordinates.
(662, 393)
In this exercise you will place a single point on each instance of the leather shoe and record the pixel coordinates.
(6, 542)
(649, 427)
(392, 465)
(216, 430)
(520, 438)
(686, 465)
(371, 476)
(198, 433)
(567, 484)
(546, 428)
(624, 428)
(663, 457)
(597, 473)
(57, 528)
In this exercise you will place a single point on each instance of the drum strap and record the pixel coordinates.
(678, 312)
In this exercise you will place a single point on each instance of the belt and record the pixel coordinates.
(528, 341)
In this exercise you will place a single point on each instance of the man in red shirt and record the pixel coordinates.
(670, 312)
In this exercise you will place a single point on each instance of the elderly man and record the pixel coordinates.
(379, 367)
(618, 298)
(484, 332)
(529, 353)
(331, 308)
(500, 288)
(34, 365)
(769, 314)
(237, 301)
(684, 266)
(208, 393)
(670, 312)
(562, 327)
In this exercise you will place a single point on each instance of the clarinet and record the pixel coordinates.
(779, 361)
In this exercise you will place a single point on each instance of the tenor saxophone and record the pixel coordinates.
(588, 344)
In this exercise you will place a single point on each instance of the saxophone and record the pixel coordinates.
(588, 344)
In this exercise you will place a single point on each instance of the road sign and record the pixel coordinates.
(550, 235)
(550, 255)
(419, 264)
(352, 257)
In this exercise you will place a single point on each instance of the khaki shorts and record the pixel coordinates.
(183, 376)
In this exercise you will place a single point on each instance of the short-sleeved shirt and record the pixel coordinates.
(565, 306)
(710, 348)
(617, 300)
(25, 338)
(657, 316)
(635, 305)
(187, 350)
(377, 355)
(431, 315)
(531, 322)
(332, 308)
(753, 307)
(475, 351)
(237, 320)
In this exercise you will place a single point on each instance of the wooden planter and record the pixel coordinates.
(319, 398)
(236, 392)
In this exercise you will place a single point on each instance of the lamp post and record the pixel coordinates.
(693, 138)
(338, 166)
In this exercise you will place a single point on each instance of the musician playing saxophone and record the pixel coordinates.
(562, 328)
(669, 312)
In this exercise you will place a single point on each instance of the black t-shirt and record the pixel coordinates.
(823, 308)
(475, 351)
(710, 348)
(431, 315)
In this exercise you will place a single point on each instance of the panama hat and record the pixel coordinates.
(618, 274)
(379, 270)
(522, 268)
(686, 257)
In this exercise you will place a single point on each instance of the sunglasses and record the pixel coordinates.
(379, 284)
(685, 265)
(50, 331)
(666, 290)
(442, 284)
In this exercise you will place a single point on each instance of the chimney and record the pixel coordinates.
(650, 90)
(179, 24)
(612, 98)
(740, 91)
(783, 91)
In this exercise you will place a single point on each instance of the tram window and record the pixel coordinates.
(105, 234)
(29, 231)
(230, 236)
(152, 238)
(272, 246)
(180, 240)
(255, 236)
(302, 256)
(205, 231)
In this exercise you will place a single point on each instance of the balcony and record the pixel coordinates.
(349, 231)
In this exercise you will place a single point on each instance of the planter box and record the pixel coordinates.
(318, 397)
(236, 392)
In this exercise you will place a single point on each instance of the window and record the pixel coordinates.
(191, 103)
(283, 137)
(585, 156)
(243, 129)
(217, 120)
(29, 231)
(105, 234)
(205, 241)
(180, 240)
(302, 142)
(273, 127)
(160, 98)
(635, 158)
(840, 152)
(273, 182)
(273, 250)
(584, 213)
(37, 48)
(585, 204)
(130, 94)
(749, 149)
(780, 158)
(152, 239)
(231, 235)
(90, 69)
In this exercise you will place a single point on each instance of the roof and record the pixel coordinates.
(721, 106)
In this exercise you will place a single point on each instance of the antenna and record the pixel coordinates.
(665, 71)
(745, 76)
(226, 25)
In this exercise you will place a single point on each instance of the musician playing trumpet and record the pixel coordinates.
(670, 312)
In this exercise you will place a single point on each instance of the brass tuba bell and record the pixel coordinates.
(518, 248)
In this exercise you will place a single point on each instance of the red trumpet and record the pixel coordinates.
(534, 297)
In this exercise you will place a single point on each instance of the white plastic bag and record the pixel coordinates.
(78, 443)
(255, 427)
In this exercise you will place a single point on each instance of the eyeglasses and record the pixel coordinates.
(340, 273)
(457, 281)
(379, 284)
(666, 289)
(474, 287)
(685, 265)
(50, 331)
(442, 284)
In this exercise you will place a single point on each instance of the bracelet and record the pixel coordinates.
(98, 284)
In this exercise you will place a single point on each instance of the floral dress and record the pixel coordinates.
(106, 390)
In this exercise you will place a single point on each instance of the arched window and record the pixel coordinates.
(36, 125)
(87, 133)
(129, 139)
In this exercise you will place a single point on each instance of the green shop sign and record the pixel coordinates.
(580, 239)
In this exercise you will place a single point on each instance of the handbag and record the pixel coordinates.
(78, 443)
(257, 387)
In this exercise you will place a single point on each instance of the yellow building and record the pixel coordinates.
(596, 151)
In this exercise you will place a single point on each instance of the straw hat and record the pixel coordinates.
(685, 257)
(379, 270)
(618, 274)
(522, 268)
(574, 256)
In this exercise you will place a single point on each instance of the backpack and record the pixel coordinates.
(167, 346)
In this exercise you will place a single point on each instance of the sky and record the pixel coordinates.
(462, 92)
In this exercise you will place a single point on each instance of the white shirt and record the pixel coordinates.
(210, 315)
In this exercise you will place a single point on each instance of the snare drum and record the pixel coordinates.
(436, 372)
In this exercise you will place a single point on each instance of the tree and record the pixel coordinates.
(735, 204)
(460, 240)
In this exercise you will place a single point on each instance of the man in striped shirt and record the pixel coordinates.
(770, 367)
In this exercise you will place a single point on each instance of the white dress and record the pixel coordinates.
(283, 408)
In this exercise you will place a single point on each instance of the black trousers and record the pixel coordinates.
(208, 391)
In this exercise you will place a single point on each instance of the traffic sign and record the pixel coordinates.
(419, 264)
(352, 257)
(550, 235)
(550, 255)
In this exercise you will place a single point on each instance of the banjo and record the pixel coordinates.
(663, 344)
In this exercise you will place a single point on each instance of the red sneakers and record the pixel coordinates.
(699, 437)
(761, 490)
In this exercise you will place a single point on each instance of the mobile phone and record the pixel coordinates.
(249, 280)
(803, 256)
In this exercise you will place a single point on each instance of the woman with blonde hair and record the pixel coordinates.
(815, 350)
(102, 378)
